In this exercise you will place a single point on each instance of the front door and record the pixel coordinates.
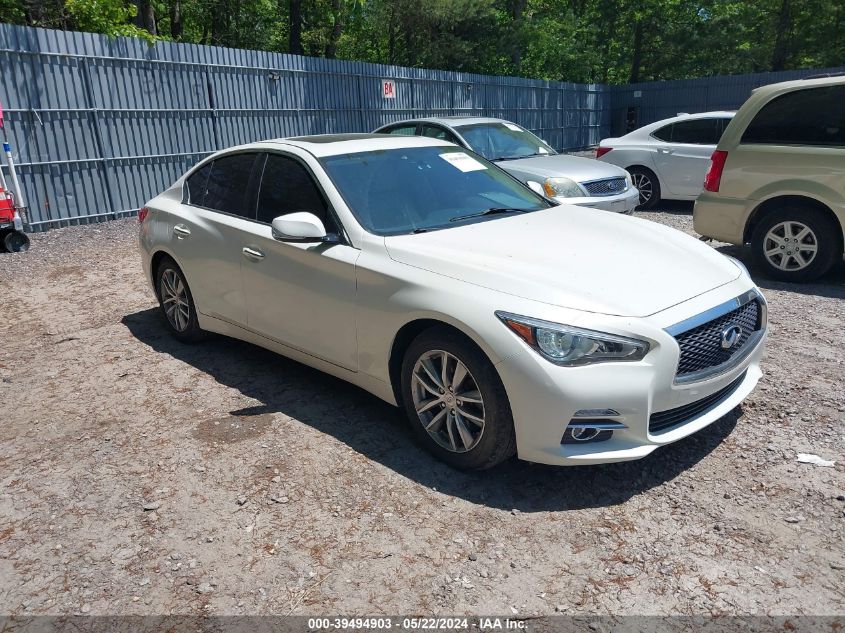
(301, 294)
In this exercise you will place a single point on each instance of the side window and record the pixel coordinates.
(435, 131)
(813, 116)
(288, 187)
(697, 132)
(227, 184)
(404, 130)
(196, 186)
(664, 133)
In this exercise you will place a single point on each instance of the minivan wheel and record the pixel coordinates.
(455, 401)
(176, 302)
(796, 243)
(647, 184)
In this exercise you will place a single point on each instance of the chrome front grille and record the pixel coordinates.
(606, 187)
(705, 347)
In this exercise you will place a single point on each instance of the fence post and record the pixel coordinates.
(105, 165)
(212, 106)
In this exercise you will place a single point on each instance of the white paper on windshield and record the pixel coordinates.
(542, 150)
(462, 161)
(513, 127)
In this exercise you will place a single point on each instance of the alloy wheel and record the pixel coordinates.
(790, 245)
(644, 186)
(447, 400)
(174, 298)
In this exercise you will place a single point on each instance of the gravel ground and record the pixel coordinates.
(141, 476)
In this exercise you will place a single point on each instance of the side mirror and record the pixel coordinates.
(300, 227)
(536, 187)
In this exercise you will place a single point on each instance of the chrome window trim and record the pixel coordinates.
(714, 313)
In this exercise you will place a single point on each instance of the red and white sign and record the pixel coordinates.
(388, 88)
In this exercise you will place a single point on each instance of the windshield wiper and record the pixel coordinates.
(491, 211)
(495, 160)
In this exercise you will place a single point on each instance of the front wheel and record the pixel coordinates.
(647, 184)
(796, 243)
(16, 242)
(176, 302)
(455, 401)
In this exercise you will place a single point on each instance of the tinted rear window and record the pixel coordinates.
(814, 116)
(692, 132)
(227, 184)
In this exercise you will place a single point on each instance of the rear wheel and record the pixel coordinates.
(176, 302)
(455, 401)
(796, 242)
(647, 184)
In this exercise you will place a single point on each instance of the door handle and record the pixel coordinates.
(252, 253)
(181, 231)
(663, 150)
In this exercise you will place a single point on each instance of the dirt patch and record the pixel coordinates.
(233, 428)
(143, 476)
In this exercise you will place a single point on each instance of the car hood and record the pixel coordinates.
(572, 257)
(574, 167)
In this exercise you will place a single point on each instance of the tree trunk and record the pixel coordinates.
(337, 28)
(637, 58)
(176, 25)
(780, 54)
(146, 18)
(295, 23)
(517, 9)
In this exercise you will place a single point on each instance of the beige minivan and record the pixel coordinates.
(777, 179)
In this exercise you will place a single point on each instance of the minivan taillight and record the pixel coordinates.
(142, 214)
(601, 151)
(714, 175)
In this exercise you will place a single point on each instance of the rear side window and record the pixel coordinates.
(664, 133)
(228, 183)
(814, 116)
(435, 131)
(288, 187)
(404, 130)
(196, 186)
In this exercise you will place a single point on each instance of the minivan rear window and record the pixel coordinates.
(812, 116)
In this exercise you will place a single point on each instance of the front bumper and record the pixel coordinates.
(545, 397)
(624, 202)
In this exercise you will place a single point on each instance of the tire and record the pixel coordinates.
(16, 242)
(816, 238)
(650, 191)
(474, 446)
(171, 286)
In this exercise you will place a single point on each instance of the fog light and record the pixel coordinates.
(582, 435)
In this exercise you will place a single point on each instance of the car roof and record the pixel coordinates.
(333, 144)
(796, 84)
(450, 121)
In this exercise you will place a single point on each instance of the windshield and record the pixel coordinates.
(503, 141)
(410, 189)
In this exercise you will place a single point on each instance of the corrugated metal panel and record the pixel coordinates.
(100, 125)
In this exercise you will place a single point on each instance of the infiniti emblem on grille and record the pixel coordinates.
(730, 336)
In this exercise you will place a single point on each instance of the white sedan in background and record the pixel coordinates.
(426, 275)
(667, 160)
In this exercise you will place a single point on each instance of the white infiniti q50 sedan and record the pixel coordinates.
(423, 273)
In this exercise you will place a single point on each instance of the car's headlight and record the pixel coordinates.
(570, 346)
(739, 265)
(562, 188)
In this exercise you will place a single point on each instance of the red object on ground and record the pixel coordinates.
(7, 207)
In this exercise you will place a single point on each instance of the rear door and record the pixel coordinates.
(218, 206)
(301, 294)
(684, 154)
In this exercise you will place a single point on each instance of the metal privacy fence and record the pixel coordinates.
(99, 125)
